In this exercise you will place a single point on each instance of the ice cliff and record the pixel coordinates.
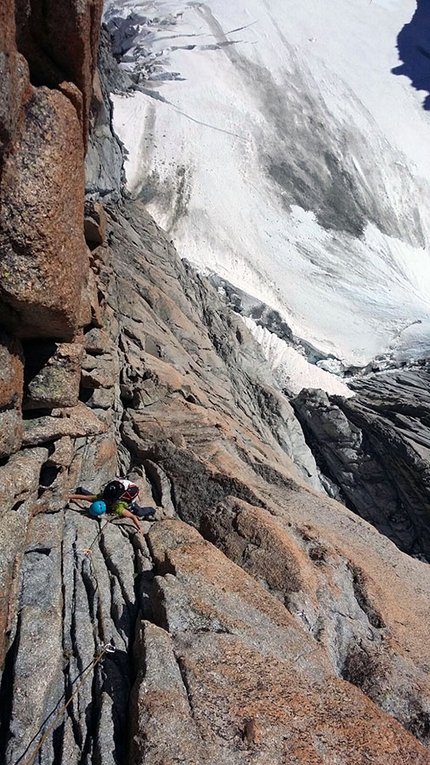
(257, 620)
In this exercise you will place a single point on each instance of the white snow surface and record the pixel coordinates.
(285, 156)
(293, 369)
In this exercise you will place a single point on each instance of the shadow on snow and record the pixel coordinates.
(413, 44)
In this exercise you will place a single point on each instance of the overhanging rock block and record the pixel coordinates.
(57, 382)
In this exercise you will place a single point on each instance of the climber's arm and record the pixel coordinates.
(126, 514)
(87, 497)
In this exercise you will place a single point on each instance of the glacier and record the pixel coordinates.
(278, 148)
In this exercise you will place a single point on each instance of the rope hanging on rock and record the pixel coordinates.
(106, 647)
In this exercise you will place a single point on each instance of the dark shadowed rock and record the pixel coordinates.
(105, 178)
(94, 223)
(14, 80)
(376, 447)
(71, 55)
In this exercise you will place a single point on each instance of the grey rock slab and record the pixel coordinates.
(99, 606)
(38, 676)
(19, 480)
(74, 421)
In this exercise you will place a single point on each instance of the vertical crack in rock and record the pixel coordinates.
(6, 692)
(358, 583)
(183, 672)
(100, 606)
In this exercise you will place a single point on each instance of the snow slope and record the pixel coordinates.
(279, 150)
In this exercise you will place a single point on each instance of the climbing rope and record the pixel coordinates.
(106, 647)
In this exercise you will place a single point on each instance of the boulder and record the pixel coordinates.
(56, 384)
(97, 341)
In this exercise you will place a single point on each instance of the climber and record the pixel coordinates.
(118, 496)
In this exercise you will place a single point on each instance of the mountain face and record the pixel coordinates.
(283, 148)
(257, 619)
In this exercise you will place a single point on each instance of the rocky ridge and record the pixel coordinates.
(375, 448)
(257, 620)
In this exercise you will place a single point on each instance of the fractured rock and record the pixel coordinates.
(56, 384)
(11, 432)
(72, 421)
(19, 480)
(376, 447)
(94, 224)
(99, 371)
(35, 694)
(11, 387)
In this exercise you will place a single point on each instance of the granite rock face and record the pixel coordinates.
(14, 80)
(256, 620)
(105, 178)
(228, 676)
(376, 448)
(43, 180)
